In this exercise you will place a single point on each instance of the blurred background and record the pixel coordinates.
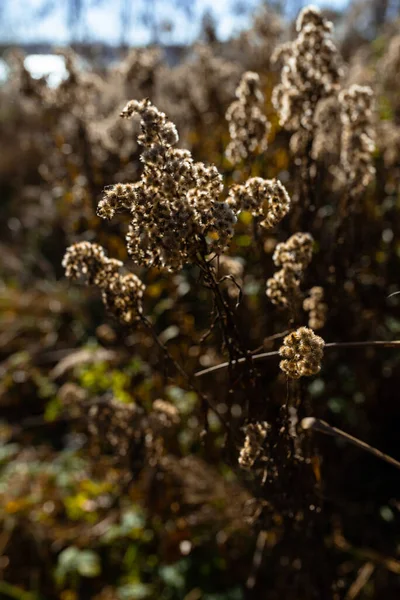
(37, 26)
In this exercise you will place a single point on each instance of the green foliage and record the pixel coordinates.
(73, 562)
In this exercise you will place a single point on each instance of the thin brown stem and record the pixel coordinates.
(178, 367)
(323, 427)
(229, 328)
(330, 345)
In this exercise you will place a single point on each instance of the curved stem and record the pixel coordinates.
(323, 427)
(275, 353)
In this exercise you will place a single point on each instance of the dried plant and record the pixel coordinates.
(316, 308)
(248, 126)
(176, 205)
(263, 198)
(358, 137)
(311, 72)
(302, 353)
(253, 444)
(165, 419)
(294, 256)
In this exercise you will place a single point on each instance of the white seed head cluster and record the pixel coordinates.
(358, 136)
(316, 308)
(302, 352)
(175, 206)
(122, 297)
(297, 250)
(266, 198)
(248, 126)
(89, 262)
(311, 70)
(284, 286)
(121, 294)
(293, 256)
(253, 444)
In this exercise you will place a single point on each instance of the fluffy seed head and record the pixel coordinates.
(248, 126)
(255, 435)
(302, 353)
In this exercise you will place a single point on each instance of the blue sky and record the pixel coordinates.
(103, 20)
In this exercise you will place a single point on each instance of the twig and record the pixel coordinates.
(330, 345)
(323, 427)
(234, 362)
(257, 559)
(361, 580)
(182, 371)
(388, 562)
(271, 338)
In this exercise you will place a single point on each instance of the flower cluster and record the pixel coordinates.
(311, 70)
(175, 206)
(297, 250)
(302, 353)
(265, 198)
(358, 137)
(326, 142)
(316, 308)
(248, 126)
(283, 287)
(121, 294)
(293, 256)
(255, 435)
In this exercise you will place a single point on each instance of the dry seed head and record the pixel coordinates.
(316, 308)
(248, 126)
(265, 198)
(311, 71)
(284, 286)
(88, 261)
(122, 297)
(121, 294)
(302, 353)
(253, 444)
(155, 126)
(293, 256)
(326, 142)
(297, 250)
(358, 137)
(175, 206)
